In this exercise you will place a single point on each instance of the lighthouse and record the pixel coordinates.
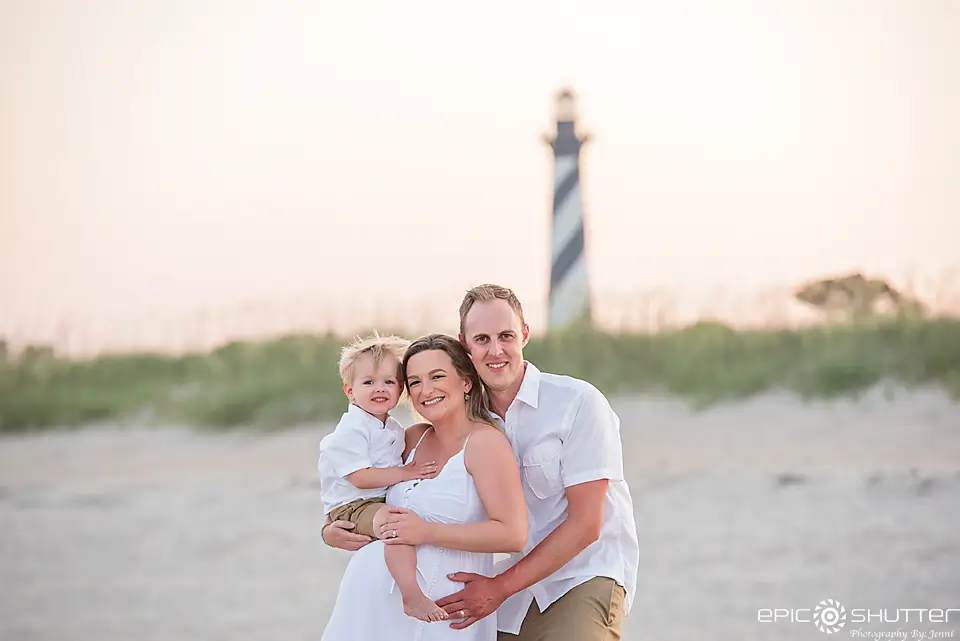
(569, 300)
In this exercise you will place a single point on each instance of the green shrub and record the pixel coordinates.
(294, 379)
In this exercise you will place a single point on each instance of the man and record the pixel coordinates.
(577, 578)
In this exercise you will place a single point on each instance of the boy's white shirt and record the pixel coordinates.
(358, 441)
(564, 432)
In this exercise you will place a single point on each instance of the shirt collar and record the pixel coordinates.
(529, 392)
(362, 414)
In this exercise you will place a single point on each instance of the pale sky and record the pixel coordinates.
(159, 158)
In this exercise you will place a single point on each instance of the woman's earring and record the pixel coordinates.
(466, 396)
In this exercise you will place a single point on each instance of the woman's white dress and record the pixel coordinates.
(369, 606)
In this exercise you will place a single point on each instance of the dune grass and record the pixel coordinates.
(294, 380)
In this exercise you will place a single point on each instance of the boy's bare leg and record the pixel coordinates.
(402, 563)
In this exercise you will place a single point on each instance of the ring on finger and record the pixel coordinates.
(463, 615)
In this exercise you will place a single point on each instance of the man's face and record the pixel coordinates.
(495, 337)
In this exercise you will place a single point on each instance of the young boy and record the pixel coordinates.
(363, 455)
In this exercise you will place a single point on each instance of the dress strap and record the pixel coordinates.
(421, 438)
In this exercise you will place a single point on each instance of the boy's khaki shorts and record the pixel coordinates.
(360, 513)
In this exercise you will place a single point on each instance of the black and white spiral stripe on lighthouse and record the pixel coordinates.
(569, 285)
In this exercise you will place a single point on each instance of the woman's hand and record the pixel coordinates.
(404, 527)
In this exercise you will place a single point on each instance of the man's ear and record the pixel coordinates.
(526, 334)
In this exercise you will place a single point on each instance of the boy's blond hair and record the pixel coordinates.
(374, 344)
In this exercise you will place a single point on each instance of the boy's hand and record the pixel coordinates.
(415, 471)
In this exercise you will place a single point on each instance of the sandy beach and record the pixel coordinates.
(114, 533)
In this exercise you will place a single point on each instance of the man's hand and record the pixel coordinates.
(414, 471)
(336, 535)
(480, 597)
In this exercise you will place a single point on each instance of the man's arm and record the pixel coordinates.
(482, 596)
(337, 534)
(579, 530)
(590, 458)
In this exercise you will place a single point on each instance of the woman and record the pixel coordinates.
(472, 509)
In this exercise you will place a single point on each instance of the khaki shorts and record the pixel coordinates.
(592, 611)
(360, 513)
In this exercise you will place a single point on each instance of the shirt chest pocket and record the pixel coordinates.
(540, 468)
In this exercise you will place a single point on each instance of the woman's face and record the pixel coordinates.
(436, 390)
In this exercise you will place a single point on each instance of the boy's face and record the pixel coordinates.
(376, 390)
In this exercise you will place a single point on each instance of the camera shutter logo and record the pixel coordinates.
(829, 616)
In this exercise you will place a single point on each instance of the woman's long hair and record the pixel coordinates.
(478, 406)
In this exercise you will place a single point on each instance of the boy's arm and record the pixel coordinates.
(370, 478)
(337, 533)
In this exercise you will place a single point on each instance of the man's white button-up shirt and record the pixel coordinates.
(564, 432)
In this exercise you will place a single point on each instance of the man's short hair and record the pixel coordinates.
(374, 344)
(484, 293)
